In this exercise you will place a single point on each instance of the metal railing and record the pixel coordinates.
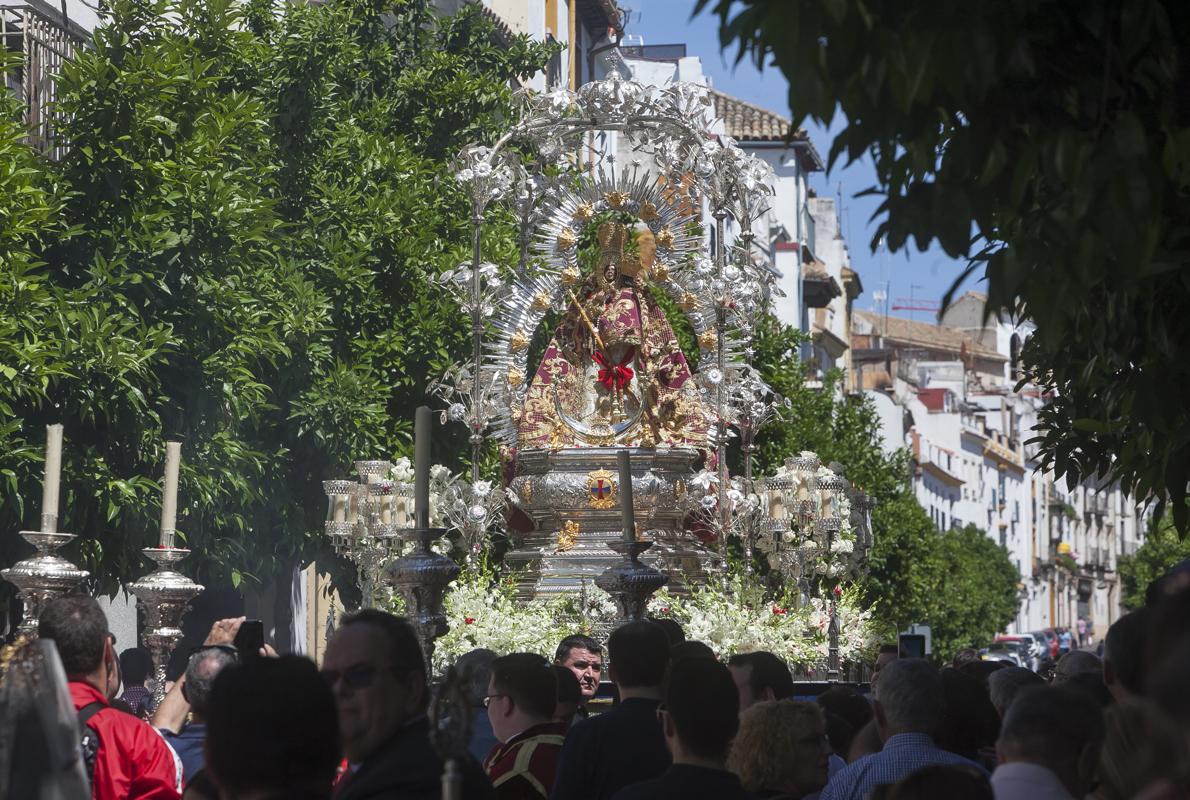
(848, 672)
(44, 45)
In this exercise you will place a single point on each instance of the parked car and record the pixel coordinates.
(1033, 648)
(1012, 652)
(1050, 636)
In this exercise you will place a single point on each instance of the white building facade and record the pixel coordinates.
(966, 427)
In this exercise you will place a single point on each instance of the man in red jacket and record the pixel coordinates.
(132, 760)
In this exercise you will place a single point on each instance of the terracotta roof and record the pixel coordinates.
(933, 398)
(923, 334)
(746, 122)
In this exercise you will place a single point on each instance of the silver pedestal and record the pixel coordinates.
(421, 577)
(164, 594)
(631, 583)
(43, 576)
(572, 496)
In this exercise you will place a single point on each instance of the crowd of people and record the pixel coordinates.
(679, 723)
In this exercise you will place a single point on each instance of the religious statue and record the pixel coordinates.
(613, 373)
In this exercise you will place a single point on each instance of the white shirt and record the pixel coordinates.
(1020, 780)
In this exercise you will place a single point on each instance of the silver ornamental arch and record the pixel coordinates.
(554, 195)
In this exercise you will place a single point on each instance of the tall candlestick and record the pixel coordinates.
(421, 467)
(53, 473)
(626, 496)
(169, 497)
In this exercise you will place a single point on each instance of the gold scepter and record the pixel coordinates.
(587, 320)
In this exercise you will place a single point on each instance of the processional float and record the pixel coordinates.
(624, 198)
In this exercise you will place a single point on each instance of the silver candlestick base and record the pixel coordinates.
(164, 594)
(631, 583)
(421, 577)
(43, 576)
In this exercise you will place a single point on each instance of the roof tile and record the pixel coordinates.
(923, 334)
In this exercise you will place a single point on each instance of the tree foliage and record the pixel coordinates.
(236, 253)
(959, 582)
(1161, 550)
(1049, 141)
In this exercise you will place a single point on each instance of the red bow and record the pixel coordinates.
(616, 375)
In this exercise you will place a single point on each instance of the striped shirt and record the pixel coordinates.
(902, 754)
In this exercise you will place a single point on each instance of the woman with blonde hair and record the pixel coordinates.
(781, 750)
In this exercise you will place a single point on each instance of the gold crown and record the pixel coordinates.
(611, 236)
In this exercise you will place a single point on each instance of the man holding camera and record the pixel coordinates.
(189, 696)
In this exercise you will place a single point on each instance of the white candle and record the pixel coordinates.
(169, 498)
(53, 473)
(776, 504)
(340, 508)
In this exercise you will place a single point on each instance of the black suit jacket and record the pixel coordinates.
(407, 768)
(607, 752)
(686, 782)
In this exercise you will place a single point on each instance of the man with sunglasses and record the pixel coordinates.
(375, 670)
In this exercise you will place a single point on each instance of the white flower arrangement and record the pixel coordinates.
(484, 613)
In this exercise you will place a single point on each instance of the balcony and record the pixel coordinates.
(1097, 504)
(38, 34)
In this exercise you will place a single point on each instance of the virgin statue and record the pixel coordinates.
(613, 373)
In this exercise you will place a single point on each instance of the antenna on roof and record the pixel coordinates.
(844, 213)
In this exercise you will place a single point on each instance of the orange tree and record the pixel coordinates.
(235, 252)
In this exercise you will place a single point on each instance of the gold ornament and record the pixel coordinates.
(527, 491)
(515, 377)
(567, 537)
(679, 489)
(708, 339)
(601, 489)
(518, 342)
(541, 302)
(648, 211)
(689, 301)
(566, 239)
(661, 271)
(570, 275)
(665, 238)
(616, 199)
(584, 212)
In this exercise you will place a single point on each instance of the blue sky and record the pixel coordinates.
(908, 273)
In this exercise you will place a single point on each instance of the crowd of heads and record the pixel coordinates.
(1107, 728)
